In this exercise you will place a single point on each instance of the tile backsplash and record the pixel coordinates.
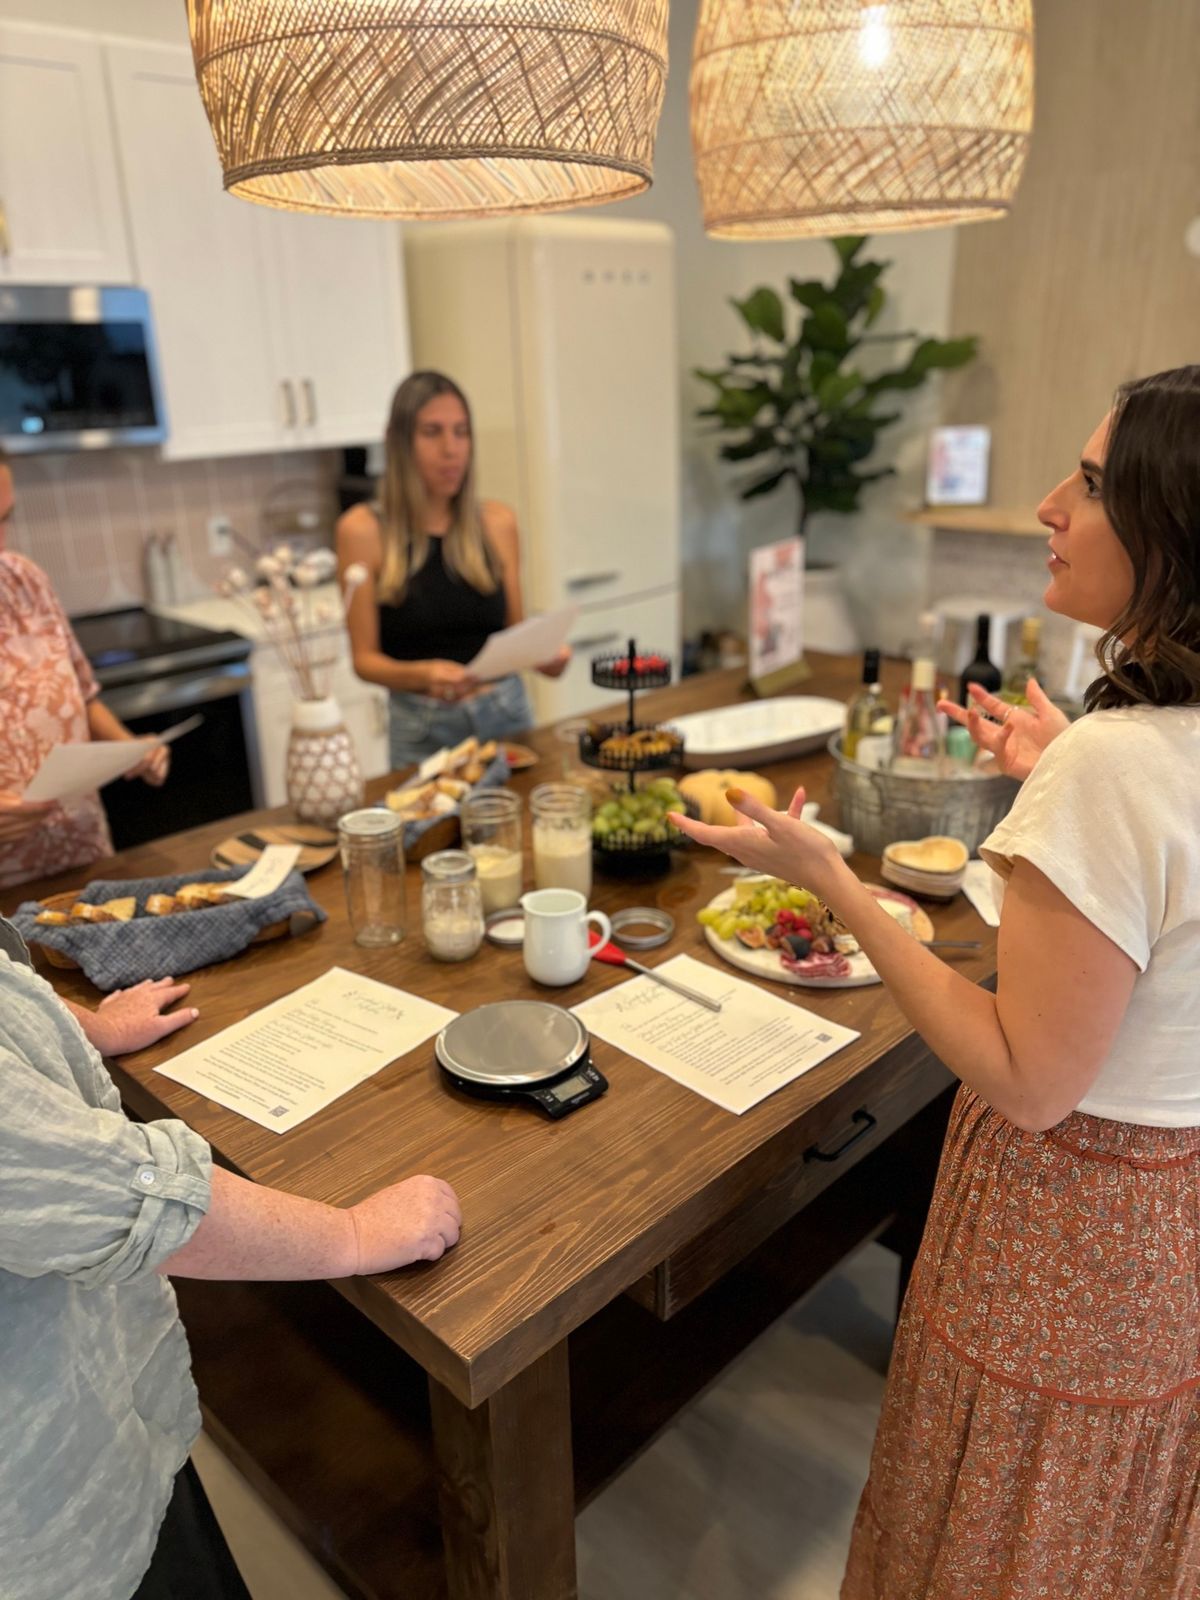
(84, 517)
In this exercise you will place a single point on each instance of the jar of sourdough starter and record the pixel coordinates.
(451, 905)
(562, 837)
(491, 826)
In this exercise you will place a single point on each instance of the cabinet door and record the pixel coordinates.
(200, 254)
(61, 219)
(341, 321)
(365, 714)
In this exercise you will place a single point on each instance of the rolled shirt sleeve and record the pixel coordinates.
(84, 1192)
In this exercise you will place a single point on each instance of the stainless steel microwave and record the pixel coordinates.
(78, 369)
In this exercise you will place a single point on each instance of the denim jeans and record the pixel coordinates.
(418, 724)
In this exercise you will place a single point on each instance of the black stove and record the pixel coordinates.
(132, 646)
(154, 672)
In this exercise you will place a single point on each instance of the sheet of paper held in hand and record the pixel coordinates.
(296, 1056)
(524, 645)
(68, 770)
(736, 1057)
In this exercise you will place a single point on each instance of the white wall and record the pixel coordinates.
(885, 562)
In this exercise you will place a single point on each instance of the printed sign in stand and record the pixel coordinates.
(777, 617)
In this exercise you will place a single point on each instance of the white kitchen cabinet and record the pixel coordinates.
(340, 327)
(277, 331)
(61, 217)
(199, 253)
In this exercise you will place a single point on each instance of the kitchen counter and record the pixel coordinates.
(609, 1263)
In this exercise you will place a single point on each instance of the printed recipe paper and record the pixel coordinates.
(296, 1056)
(736, 1057)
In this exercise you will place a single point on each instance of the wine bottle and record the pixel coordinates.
(867, 713)
(919, 743)
(1025, 666)
(980, 669)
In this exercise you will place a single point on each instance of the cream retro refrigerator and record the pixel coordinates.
(562, 334)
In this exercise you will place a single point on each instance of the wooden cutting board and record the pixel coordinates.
(318, 846)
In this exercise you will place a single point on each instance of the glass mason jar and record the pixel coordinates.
(491, 828)
(371, 843)
(451, 905)
(562, 837)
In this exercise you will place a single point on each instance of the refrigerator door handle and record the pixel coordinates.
(592, 580)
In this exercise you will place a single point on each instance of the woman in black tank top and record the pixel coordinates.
(443, 573)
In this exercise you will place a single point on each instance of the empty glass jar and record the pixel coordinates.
(371, 842)
(451, 905)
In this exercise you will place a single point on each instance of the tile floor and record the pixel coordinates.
(748, 1495)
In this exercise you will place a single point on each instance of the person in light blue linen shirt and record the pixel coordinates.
(98, 1411)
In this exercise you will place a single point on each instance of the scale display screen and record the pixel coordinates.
(573, 1086)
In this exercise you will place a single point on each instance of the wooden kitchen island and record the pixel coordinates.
(431, 1432)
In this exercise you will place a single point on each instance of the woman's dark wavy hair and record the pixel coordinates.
(1151, 492)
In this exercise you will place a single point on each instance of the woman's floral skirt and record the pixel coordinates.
(1040, 1434)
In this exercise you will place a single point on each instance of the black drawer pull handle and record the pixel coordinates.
(863, 1123)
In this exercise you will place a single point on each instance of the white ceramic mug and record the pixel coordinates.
(556, 935)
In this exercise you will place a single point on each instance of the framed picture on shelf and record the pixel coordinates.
(957, 474)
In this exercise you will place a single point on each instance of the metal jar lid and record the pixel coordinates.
(448, 866)
(511, 1044)
(661, 924)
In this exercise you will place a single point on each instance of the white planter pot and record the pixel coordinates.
(323, 776)
(827, 621)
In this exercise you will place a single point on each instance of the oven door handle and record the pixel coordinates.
(177, 693)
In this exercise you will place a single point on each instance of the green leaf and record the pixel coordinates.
(762, 486)
(848, 246)
(759, 443)
(717, 379)
(762, 312)
(837, 388)
(810, 292)
(822, 366)
(738, 407)
(825, 329)
(945, 353)
(876, 301)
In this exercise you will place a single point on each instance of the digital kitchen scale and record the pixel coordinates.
(521, 1051)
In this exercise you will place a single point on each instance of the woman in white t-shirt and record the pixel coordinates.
(1041, 1429)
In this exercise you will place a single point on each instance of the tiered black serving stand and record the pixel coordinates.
(625, 852)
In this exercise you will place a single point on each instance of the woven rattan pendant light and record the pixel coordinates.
(837, 116)
(432, 108)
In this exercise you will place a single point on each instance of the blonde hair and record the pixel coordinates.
(404, 509)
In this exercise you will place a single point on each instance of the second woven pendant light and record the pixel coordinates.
(432, 108)
(837, 116)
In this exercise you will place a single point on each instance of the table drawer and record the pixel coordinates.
(836, 1134)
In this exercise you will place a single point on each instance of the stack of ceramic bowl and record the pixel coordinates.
(933, 867)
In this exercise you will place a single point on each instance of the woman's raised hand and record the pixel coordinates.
(773, 842)
(1017, 739)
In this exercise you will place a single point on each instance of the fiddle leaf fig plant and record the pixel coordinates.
(802, 405)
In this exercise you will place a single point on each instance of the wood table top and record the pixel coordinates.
(559, 1217)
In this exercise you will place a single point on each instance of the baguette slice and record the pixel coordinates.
(163, 905)
(52, 919)
(121, 910)
(85, 913)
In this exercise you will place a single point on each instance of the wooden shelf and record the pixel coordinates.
(979, 519)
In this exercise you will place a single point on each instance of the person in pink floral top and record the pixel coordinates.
(48, 696)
